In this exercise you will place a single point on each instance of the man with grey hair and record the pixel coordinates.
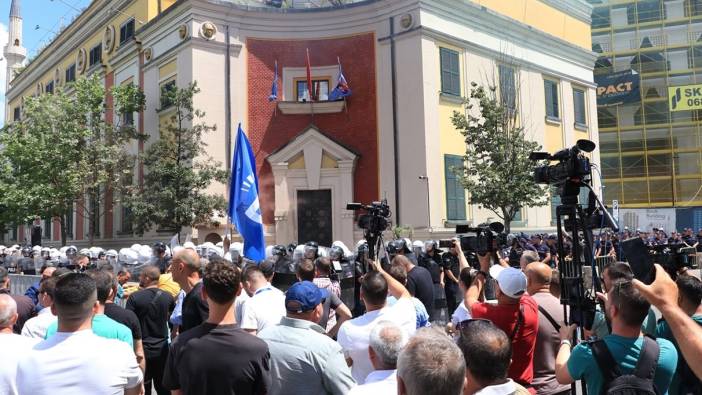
(386, 341)
(431, 363)
(13, 346)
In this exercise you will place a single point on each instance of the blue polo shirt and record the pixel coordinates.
(103, 326)
(626, 351)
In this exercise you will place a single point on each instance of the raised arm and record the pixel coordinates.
(394, 287)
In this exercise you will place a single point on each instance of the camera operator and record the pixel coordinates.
(626, 308)
(684, 381)
(450, 268)
(431, 260)
(612, 272)
(516, 313)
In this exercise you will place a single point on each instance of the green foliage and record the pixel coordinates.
(178, 172)
(498, 174)
(64, 151)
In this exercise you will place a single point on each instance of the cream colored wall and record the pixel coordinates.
(543, 17)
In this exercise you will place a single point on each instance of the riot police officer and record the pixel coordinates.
(283, 263)
(162, 259)
(311, 250)
(451, 268)
(26, 263)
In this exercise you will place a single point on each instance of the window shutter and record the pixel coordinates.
(455, 194)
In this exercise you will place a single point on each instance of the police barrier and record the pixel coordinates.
(19, 283)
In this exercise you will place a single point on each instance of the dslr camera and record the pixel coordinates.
(483, 239)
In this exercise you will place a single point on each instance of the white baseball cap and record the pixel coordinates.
(512, 282)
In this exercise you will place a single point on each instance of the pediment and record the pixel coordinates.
(311, 140)
(310, 152)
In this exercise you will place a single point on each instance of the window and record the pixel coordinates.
(69, 223)
(518, 216)
(46, 233)
(167, 89)
(49, 87)
(126, 31)
(600, 17)
(16, 114)
(508, 90)
(71, 73)
(126, 220)
(455, 193)
(321, 87)
(579, 107)
(128, 119)
(551, 91)
(95, 208)
(13, 233)
(450, 72)
(95, 55)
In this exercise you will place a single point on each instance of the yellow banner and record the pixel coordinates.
(686, 97)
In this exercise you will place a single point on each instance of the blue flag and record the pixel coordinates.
(342, 89)
(274, 89)
(244, 208)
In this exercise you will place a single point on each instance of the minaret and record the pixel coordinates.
(14, 51)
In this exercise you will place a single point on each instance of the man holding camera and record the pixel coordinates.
(516, 313)
(623, 352)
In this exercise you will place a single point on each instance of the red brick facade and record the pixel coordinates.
(356, 128)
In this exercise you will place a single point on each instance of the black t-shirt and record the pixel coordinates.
(212, 359)
(331, 302)
(194, 309)
(433, 264)
(419, 284)
(153, 307)
(450, 262)
(124, 317)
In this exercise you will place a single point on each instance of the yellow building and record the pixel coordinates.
(421, 57)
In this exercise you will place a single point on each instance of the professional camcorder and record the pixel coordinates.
(483, 239)
(572, 164)
(378, 217)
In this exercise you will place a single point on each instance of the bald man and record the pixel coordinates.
(185, 267)
(13, 346)
(547, 338)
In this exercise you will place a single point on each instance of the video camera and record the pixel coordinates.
(486, 238)
(572, 164)
(373, 223)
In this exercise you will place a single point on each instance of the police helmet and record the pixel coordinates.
(159, 248)
(336, 253)
(311, 249)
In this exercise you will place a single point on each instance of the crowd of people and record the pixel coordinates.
(199, 323)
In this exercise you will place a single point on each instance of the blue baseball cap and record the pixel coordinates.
(303, 296)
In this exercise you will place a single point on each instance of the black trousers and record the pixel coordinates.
(155, 365)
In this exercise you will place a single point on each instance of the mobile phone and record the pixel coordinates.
(640, 259)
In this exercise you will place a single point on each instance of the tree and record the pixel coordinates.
(178, 171)
(497, 172)
(63, 150)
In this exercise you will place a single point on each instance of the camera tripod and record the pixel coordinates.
(572, 217)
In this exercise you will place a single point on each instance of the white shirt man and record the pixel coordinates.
(267, 304)
(13, 346)
(75, 360)
(36, 327)
(386, 342)
(354, 334)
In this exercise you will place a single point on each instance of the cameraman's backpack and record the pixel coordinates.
(640, 381)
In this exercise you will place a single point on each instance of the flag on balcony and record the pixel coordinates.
(342, 89)
(244, 207)
(274, 89)
(310, 89)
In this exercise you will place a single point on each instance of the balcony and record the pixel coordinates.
(317, 107)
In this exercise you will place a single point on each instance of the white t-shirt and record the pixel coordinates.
(265, 308)
(13, 348)
(70, 363)
(461, 314)
(354, 335)
(36, 327)
(239, 307)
